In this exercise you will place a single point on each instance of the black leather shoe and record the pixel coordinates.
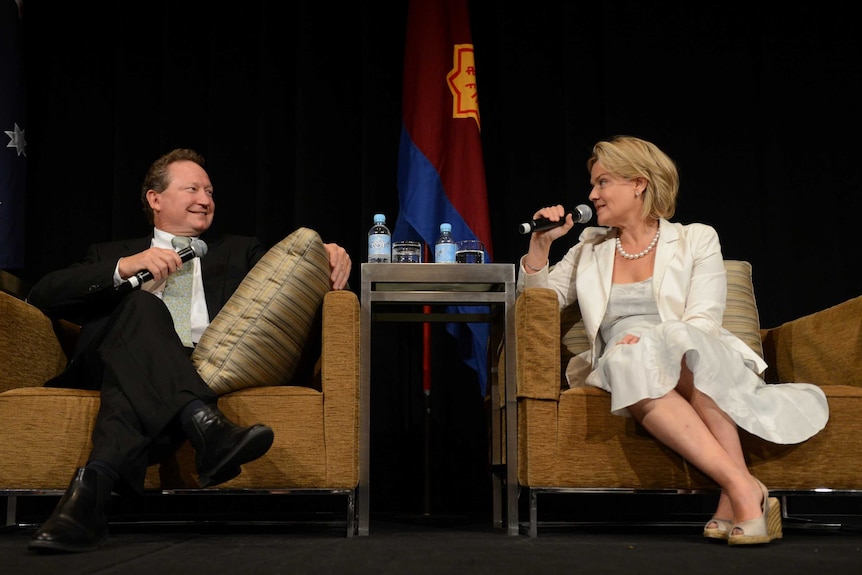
(221, 446)
(78, 523)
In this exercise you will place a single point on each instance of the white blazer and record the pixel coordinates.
(689, 284)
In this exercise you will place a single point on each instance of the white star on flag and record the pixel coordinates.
(16, 140)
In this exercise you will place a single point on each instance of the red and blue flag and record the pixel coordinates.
(441, 174)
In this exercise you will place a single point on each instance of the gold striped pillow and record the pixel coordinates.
(740, 316)
(257, 339)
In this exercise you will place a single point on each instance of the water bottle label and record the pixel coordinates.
(445, 253)
(379, 247)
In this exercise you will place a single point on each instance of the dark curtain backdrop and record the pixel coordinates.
(296, 106)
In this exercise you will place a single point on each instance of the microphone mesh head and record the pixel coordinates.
(200, 247)
(583, 214)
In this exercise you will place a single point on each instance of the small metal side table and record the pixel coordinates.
(439, 286)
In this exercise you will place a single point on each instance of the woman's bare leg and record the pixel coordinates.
(722, 427)
(673, 420)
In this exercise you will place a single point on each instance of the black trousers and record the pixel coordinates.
(146, 377)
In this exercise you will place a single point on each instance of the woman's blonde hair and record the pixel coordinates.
(629, 158)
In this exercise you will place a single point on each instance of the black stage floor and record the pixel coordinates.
(416, 544)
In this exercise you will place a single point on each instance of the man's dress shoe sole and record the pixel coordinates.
(48, 546)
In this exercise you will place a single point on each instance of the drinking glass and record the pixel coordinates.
(406, 252)
(470, 252)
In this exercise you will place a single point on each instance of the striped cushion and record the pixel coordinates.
(257, 339)
(740, 316)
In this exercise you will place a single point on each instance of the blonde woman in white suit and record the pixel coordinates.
(652, 296)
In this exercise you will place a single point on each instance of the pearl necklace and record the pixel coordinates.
(648, 249)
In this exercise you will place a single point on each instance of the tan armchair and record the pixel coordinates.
(45, 432)
(568, 441)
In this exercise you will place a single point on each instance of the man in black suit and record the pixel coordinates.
(152, 397)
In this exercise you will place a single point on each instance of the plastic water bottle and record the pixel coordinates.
(444, 249)
(379, 241)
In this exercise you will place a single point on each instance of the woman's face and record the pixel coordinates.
(614, 198)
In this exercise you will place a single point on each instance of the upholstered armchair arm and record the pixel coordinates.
(30, 351)
(537, 335)
(538, 348)
(339, 373)
(824, 347)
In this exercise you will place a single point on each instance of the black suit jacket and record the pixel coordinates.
(84, 292)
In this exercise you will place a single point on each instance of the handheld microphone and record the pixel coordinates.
(581, 215)
(198, 248)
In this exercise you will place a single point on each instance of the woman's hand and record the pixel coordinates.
(540, 242)
(554, 214)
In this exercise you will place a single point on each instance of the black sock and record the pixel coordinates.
(107, 471)
(189, 409)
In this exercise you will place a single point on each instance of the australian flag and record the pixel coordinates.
(13, 146)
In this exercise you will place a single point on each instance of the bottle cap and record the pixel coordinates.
(445, 227)
(379, 219)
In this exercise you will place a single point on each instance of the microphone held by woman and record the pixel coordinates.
(581, 215)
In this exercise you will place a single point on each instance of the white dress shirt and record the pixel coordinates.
(200, 315)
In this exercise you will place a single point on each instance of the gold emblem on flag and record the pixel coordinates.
(462, 84)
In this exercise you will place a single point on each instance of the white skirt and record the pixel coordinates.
(783, 413)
